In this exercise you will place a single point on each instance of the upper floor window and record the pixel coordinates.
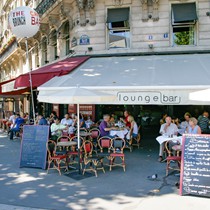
(53, 43)
(184, 19)
(67, 38)
(118, 28)
(44, 50)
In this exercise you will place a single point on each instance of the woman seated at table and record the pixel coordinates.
(193, 128)
(134, 127)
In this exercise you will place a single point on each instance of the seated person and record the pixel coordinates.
(53, 117)
(16, 127)
(203, 122)
(56, 129)
(67, 121)
(42, 120)
(10, 122)
(112, 121)
(134, 127)
(193, 128)
(184, 125)
(88, 122)
(125, 120)
(163, 119)
(81, 121)
(167, 129)
(104, 126)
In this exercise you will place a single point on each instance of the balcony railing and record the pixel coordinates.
(44, 6)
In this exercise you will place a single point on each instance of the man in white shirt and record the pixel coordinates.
(11, 122)
(56, 129)
(167, 129)
(67, 121)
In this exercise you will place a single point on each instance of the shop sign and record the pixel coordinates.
(74, 42)
(147, 97)
(84, 40)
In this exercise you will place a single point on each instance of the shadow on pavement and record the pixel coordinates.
(116, 189)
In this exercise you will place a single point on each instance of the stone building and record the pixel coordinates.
(72, 28)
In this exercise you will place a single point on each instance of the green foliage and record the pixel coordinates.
(184, 38)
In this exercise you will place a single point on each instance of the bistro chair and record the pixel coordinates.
(55, 159)
(95, 134)
(118, 145)
(65, 133)
(105, 144)
(73, 152)
(171, 157)
(135, 141)
(81, 130)
(91, 162)
(19, 133)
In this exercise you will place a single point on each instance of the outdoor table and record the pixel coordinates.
(85, 134)
(120, 133)
(162, 139)
(66, 143)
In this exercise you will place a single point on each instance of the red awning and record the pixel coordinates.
(45, 73)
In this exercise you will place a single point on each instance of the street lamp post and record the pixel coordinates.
(30, 81)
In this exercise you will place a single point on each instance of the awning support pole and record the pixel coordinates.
(30, 81)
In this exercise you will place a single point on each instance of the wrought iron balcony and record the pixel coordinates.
(44, 6)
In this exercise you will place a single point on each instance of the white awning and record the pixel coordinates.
(161, 79)
(9, 87)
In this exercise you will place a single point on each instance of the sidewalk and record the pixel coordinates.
(11, 207)
(28, 188)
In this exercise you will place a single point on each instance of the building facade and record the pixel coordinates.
(72, 28)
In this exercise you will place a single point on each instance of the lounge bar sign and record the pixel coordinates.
(149, 97)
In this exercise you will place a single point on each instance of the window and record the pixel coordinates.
(53, 43)
(184, 35)
(118, 28)
(44, 50)
(67, 37)
(184, 19)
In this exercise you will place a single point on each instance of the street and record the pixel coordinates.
(28, 188)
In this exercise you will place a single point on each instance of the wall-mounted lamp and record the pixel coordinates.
(90, 49)
(150, 16)
(207, 13)
(150, 46)
(46, 61)
(57, 57)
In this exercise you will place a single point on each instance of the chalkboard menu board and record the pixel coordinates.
(33, 146)
(195, 168)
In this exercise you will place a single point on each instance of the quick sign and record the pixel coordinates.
(147, 97)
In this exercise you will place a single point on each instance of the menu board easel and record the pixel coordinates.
(33, 146)
(195, 167)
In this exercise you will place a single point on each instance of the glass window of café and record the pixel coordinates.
(118, 28)
(53, 43)
(184, 19)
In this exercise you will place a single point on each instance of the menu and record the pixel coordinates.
(195, 167)
(33, 146)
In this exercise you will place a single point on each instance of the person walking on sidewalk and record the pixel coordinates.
(16, 127)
